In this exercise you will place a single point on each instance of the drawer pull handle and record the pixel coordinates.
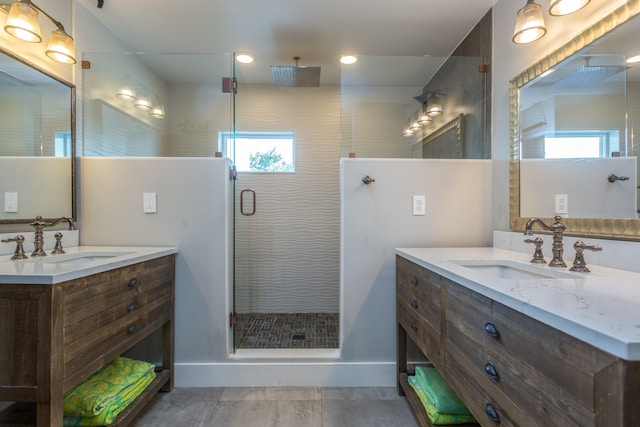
(491, 330)
(131, 329)
(133, 283)
(414, 326)
(492, 413)
(414, 280)
(132, 306)
(490, 370)
(414, 304)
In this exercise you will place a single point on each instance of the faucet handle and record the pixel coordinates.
(538, 258)
(19, 252)
(579, 263)
(57, 249)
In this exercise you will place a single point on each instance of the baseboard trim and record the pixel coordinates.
(286, 373)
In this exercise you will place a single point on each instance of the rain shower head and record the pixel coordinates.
(589, 75)
(295, 75)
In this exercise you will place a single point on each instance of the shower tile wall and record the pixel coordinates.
(287, 254)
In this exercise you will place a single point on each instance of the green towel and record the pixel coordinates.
(437, 418)
(438, 392)
(108, 391)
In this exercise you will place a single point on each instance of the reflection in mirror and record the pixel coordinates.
(186, 109)
(573, 115)
(36, 143)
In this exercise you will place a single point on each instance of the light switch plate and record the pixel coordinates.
(11, 202)
(562, 204)
(149, 203)
(419, 207)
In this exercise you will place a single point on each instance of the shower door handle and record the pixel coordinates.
(253, 203)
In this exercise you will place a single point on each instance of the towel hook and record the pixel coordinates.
(368, 180)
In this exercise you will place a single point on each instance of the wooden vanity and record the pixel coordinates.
(508, 368)
(53, 336)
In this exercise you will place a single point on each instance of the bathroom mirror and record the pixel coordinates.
(37, 143)
(543, 100)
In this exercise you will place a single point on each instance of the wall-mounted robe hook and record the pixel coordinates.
(368, 180)
(614, 178)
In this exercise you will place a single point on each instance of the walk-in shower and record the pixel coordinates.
(286, 149)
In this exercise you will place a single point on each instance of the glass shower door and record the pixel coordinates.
(286, 221)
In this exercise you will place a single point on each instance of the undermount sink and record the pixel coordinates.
(510, 269)
(81, 257)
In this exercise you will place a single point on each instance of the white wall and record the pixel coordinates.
(193, 195)
(377, 218)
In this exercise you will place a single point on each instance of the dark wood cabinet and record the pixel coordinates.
(52, 337)
(510, 369)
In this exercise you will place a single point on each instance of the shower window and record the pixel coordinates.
(266, 152)
(579, 144)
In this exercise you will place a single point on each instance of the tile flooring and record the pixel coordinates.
(288, 330)
(278, 407)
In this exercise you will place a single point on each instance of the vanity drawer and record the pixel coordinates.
(420, 289)
(125, 304)
(421, 332)
(549, 372)
(512, 386)
(85, 297)
(123, 332)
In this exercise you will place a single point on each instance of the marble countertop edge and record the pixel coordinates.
(588, 307)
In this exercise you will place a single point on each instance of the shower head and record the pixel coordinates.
(589, 75)
(295, 75)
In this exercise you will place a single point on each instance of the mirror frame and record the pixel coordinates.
(73, 137)
(627, 229)
(453, 125)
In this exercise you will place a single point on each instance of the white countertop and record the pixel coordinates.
(601, 308)
(89, 260)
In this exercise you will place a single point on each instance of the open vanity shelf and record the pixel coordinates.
(54, 336)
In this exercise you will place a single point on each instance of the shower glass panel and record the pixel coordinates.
(183, 89)
(384, 98)
(286, 217)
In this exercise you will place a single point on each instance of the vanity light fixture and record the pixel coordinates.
(23, 24)
(529, 24)
(142, 103)
(408, 131)
(424, 118)
(126, 93)
(415, 126)
(434, 106)
(566, 7)
(348, 59)
(157, 112)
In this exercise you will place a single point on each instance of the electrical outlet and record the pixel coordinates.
(419, 207)
(11, 202)
(562, 204)
(149, 204)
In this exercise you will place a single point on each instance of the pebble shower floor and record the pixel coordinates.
(288, 330)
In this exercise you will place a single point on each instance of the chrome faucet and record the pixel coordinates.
(557, 228)
(38, 226)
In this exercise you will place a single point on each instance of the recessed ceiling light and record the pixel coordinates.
(348, 59)
(633, 59)
(244, 57)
